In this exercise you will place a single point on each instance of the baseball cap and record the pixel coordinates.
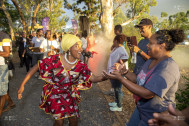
(144, 22)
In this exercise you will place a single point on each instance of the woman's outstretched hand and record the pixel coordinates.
(114, 75)
(20, 91)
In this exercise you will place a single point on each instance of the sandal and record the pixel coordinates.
(9, 107)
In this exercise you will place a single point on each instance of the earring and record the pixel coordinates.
(69, 53)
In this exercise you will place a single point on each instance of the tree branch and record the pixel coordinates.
(130, 20)
(21, 14)
(115, 11)
(133, 18)
(35, 14)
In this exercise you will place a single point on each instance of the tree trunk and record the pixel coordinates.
(84, 24)
(34, 15)
(9, 21)
(107, 17)
(21, 15)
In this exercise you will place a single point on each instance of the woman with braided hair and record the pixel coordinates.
(157, 82)
(64, 74)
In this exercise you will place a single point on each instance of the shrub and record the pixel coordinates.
(183, 96)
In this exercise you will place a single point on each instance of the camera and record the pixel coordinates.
(87, 54)
(131, 41)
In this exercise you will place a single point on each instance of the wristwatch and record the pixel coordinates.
(139, 51)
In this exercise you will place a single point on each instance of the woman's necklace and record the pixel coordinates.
(65, 57)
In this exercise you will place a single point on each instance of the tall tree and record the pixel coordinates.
(25, 8)
(107, 17)
(21, 15)
(3, 7)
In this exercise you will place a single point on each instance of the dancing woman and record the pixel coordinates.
(64, 75)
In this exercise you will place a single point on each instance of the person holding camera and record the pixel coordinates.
(145, 28)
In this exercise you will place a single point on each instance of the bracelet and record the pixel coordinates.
(139, 51)
(178, 117)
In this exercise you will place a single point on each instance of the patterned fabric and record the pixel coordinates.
(3, 79)
(4, 41)
(60, 96)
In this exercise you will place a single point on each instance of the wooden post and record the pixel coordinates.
(84, 24)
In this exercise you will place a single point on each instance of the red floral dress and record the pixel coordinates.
(60, 96)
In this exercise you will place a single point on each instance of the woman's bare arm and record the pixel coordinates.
(32, 71)
(96, 79)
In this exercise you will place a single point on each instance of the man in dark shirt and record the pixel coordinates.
(145, 27)
(21, 43)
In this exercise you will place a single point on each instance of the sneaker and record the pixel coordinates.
(112, 104)
(116, 108)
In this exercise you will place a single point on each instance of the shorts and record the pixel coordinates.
(3, 79)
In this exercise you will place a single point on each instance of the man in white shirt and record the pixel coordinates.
(36, 42)
(46, 46)
(33, 33)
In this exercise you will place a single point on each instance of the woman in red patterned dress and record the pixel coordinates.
(64, 75)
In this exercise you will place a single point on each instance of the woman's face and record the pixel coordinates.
(154, 49)
(115, 42)
(76, 50)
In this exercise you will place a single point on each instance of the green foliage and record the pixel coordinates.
(164, 14)
(178, 20)
(139, 7)
(183, 96)
(4, 25)
(58, 20)
(91, 9)
(120, 17)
